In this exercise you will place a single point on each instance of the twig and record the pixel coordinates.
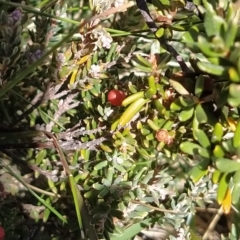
(39, 190)
(199, 209)
(63, 106)
(142, 5)
(213, 224)
(209, 210)
(35, 104)
(155, 208)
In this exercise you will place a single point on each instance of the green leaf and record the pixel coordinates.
(236, 187)
(46, 214)
(216, 176)
(235, 193)
(236, 138)
(234, 102)
(133, 230)
(231, 32)
(77, 200)
(175, 106)
(233, 74)
(141, 67)
(200, 170)
(193, 148)
(191, 36)
(234, 90)
(213, 49)
(217, 133)
(178, 87)
(138, 176)
(223, 187)
(227, 165)
(159, 32)
(213, 23)
(186, 101)
(213, 69)
(218, 151)
(101, 165)
(186, 114)
(143, 61)
(98, 186)
(143, 152)
(203, 139)
(201, 114)
(199, 86)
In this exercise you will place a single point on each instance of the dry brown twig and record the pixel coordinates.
(213, 224)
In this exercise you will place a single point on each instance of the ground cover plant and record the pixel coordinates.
(118, 117)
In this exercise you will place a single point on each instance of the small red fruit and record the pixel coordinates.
(115, 97)
(2, 233)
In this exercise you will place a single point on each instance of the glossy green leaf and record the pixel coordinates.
(236, 138)
(234, 102)
(186, 114)
(236, 187)
(200, 170)
(143, 152)
(175, 106)
(195, 126)
(231, 32)
(159, 33)
(201, 114)
(199, 86)
(164, 58)
(98, 186)
(236, 178)
(193, 148)
(191, 36)
(186, 101)
(234, 90)
(217, 133)
(235, 194)
(141, 67)
(203, 139)
(210, 49)
(227, 165)
(178, 87)
(213, 23)
(218, 151)
(212, 68)
(138, 176)
(103, 192)
(100, 165)
(223, 187)
(228, 146)
(143, 61)
(233, 74)
(216, 176)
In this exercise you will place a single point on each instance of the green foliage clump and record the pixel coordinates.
(80, 168)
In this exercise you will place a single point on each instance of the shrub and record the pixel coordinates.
(76, 166)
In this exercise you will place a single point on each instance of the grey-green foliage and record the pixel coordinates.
(127, 175)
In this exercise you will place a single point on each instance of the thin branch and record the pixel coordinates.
(41, 98)
(199, 209)
(213, 224)
(39, 190)
(63, 106)
(142, 5)
(155, 208)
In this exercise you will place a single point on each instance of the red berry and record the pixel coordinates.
(115, 97)
(2, 233)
